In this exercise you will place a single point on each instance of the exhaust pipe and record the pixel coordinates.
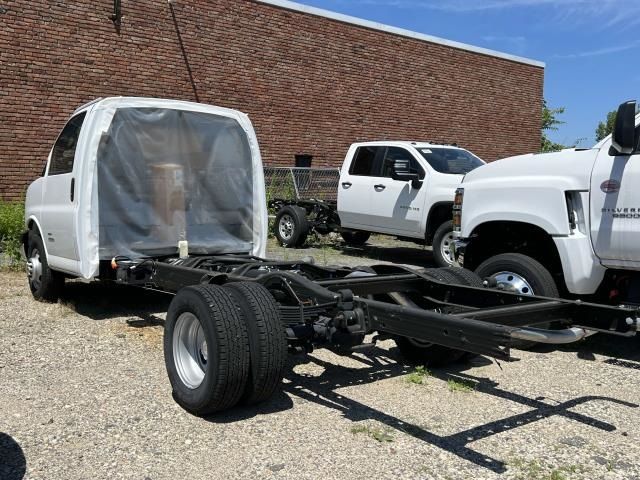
(555, 337)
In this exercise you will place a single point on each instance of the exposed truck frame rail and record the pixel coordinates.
(337, 307)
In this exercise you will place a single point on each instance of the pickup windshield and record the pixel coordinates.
(455, 161)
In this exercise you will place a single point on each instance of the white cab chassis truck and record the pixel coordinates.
(404, 189)
(169, 195)
(564, 223)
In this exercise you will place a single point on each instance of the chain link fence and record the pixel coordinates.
(296, 183)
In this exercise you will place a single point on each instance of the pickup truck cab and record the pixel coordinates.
(398, 188)
(566, 222)
(138, 177)
(404, 189)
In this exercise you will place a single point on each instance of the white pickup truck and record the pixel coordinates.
(563, 223)
(398, 188)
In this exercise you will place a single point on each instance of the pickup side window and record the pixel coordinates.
(364, 162)
(454, 161)
(64, 150)
(637, 139)
(396, 153)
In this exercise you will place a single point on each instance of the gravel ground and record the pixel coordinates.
(84, 395)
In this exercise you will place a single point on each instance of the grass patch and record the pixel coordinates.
(461, 385)
(535, 470)
(379, 434)
(11, 228)
(419, 376)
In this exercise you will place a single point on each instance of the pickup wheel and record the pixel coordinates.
(267, 341)
(442, 243)
(431, 354)
(426, 353)
(355, 238)
(46, 285)
(206, 349)
(517, 273)
(291, 226)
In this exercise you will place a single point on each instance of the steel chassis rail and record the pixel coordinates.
(395, 301)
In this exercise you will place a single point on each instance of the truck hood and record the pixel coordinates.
(569, 168)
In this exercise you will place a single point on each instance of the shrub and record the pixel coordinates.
(11, 228)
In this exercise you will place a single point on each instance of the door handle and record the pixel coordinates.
(73, 189)
(346, 184)
(379, 186)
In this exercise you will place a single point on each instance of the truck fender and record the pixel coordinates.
(33, 224)
(436, 217)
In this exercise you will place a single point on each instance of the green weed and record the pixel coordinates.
(378, 434)
(419, 375)
(11, 228)
(460, 385)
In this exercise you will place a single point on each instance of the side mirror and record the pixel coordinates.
(400, 171)
(623, 141)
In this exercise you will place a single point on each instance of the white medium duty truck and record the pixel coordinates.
(404, 189)
(169, 196)
(564, 223)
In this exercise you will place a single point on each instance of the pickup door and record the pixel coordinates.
(369, 199)
(58, 217)
(615, 207)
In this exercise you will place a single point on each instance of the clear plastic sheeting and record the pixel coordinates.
(167, 175)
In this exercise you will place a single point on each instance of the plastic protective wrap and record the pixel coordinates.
(174, 171)
(168, 175)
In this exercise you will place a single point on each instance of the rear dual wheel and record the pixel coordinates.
(223, 346)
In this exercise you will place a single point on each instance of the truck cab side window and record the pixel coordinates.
(397, 153)
(364, 162)
(64, 150)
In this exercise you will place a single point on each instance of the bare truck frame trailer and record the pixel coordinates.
(169, 196)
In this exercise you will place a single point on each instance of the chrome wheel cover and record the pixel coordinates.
(446, 248)
(34, 269)
(512, 282)
(190, 353)
(286, 226)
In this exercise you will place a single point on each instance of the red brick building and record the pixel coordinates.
(312, 81)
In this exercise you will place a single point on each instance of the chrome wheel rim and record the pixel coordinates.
(34, 269)
(286, 226)
(445, 248)
(512, 282)
(190, 351)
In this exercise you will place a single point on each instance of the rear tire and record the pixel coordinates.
(355, 238)
(428, 353)
(520, 274)
(267, 341)
(291, 226)
(206, 349)
(425, 353)
(45, 284)
(441, 245)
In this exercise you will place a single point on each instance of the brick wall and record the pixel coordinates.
(309, 84)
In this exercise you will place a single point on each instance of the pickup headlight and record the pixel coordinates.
(457, 210)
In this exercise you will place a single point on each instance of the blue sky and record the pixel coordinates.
(591, 47)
